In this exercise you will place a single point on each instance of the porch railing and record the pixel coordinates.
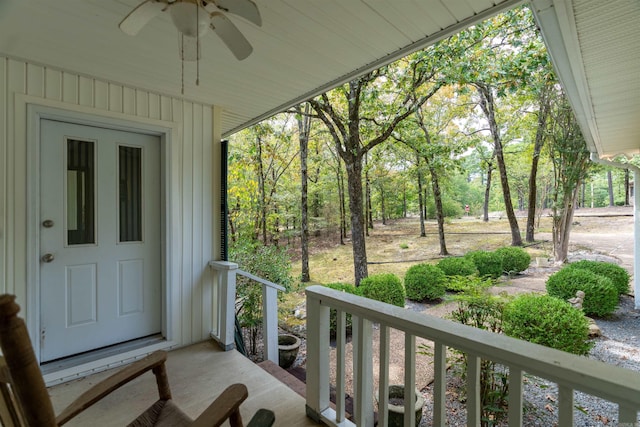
(568, 371)
(225, 319)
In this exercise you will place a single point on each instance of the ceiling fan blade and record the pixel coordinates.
(140, 16)
(189, 48)
(244, 8)
(231, 36)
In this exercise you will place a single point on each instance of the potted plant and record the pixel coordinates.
(288, 346)
(395, 413)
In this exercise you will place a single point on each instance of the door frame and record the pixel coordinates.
(37, 110)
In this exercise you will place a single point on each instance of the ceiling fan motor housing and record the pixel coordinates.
(190, 18)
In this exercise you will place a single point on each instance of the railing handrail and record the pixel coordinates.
(597, 378)
(261, 280)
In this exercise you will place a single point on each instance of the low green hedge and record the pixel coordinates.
(601, 297)
(618, 275)
(549, 321)
(457, 266)
(383, 287)
(424, 282)
(514, 259)
(467, 283)
(488, 263)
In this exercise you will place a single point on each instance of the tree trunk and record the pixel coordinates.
(487, 193)
(543, 115)
(232, 227)
(275, 230)
(488, 106)
(423, 232)
(531, 205)
(343, 214)
(425, 214)
(610, 185)
(382, 205)
(437, 198)
(261, 191)
(304, 123)
(627, 187)
(343, 207)
(404, 200)
(358, 242)
(368, 223)
(562, 223)
(570, 159)
(368, 205)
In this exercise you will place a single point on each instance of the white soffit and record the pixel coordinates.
(304, 47)
(594, 46)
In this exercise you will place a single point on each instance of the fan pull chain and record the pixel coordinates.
(182, 61)
(197, 43)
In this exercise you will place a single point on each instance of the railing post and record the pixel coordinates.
(363, 375)
(270, 323)
(474, 408)
(317, 358)
(226, 303)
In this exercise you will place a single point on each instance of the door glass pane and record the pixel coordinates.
(80, 192)
(130, 176)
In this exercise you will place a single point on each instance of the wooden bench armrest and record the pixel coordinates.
(154, 361)
(226, 406)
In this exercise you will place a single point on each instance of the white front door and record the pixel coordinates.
(100, 238)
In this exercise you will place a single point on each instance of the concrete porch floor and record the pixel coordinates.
(197, 375)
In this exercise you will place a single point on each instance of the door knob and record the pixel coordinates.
(47, 223)
(47, 257)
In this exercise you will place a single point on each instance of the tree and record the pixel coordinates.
(439, 152)
(304, 128)
(488, 106)
(544, 109)
(570, 158)
(363, 114)
(497, 58)
(265, 155)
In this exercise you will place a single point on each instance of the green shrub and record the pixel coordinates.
(269, 262)
(424, 282)
(466, 283)
(383, 287)
(333, 317)
(450, 209)
(514, 259)
(488, 263)
(480, 309)
(618, 275)
(549, 321)
(601, 297)
(457, 266)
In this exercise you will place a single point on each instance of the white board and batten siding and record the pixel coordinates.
(191, 164)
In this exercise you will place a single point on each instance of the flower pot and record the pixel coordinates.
(395, 413)
(288, 346)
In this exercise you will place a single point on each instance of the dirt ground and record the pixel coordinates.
(603, 234)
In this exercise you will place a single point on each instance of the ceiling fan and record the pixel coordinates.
(193, 18)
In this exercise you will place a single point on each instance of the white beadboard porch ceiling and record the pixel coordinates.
(308, 46)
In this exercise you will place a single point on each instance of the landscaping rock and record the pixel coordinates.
(594, 329)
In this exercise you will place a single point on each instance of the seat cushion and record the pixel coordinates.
(163, 413)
